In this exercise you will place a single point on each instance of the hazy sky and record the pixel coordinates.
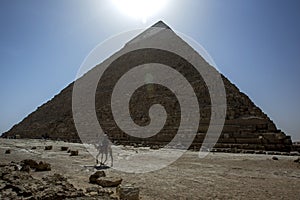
(255, 43)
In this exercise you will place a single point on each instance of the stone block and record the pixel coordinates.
(74, 153)
(48, 147)
(128, 192)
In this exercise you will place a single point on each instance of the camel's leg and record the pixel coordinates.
(101, 158)
(105, 157)
(111, 157)
(97, 161)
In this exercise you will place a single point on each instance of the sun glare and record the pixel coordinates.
(140, 9)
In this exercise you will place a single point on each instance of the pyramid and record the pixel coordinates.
(246, 126)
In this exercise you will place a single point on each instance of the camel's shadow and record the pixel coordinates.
(101, 167)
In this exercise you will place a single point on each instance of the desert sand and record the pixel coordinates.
(217, 176)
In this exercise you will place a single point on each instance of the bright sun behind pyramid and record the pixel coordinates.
(140, 9)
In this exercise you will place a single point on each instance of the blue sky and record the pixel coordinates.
(256, 44)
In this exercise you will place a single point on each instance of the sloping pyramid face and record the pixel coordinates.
(246, 126)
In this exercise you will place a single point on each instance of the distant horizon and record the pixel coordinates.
(44, 43)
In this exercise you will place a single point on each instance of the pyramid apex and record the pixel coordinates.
(161, 24)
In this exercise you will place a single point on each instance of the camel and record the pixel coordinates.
(104, 149)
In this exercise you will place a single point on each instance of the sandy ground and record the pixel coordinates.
(217, 176)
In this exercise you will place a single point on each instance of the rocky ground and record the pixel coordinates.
(217, 176)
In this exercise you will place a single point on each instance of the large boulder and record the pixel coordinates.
(128, 192)
(96, 175)
(109, 181)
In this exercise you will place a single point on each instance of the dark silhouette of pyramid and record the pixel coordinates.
(246, 126)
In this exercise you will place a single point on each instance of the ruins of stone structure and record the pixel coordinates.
(246, 126)
(18, 183)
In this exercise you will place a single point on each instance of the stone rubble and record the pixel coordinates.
(32, 164)
(16, 184)
(19, 184)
